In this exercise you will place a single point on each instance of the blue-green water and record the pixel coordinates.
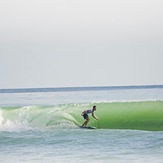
(42, 126)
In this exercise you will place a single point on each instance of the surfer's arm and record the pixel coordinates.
(94, 116)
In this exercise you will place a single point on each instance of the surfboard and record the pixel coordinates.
(89, 127)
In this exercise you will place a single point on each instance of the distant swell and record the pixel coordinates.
(141, 115)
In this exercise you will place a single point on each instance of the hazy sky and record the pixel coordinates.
(59, 43)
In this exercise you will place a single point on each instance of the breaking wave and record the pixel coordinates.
(138, 115)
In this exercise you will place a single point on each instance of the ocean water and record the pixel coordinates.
(41, 125)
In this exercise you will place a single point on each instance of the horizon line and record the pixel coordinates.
(76, 88)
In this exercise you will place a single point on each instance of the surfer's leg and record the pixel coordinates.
(85, 116)
(85, 123)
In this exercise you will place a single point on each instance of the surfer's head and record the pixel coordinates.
(94, 108)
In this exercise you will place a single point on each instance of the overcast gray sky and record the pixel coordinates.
(59, 43)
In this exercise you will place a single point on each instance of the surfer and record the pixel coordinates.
(85, 115)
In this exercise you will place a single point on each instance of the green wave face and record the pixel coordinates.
(131, 115)
(145, 115)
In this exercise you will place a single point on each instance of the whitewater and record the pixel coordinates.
(41, 124)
